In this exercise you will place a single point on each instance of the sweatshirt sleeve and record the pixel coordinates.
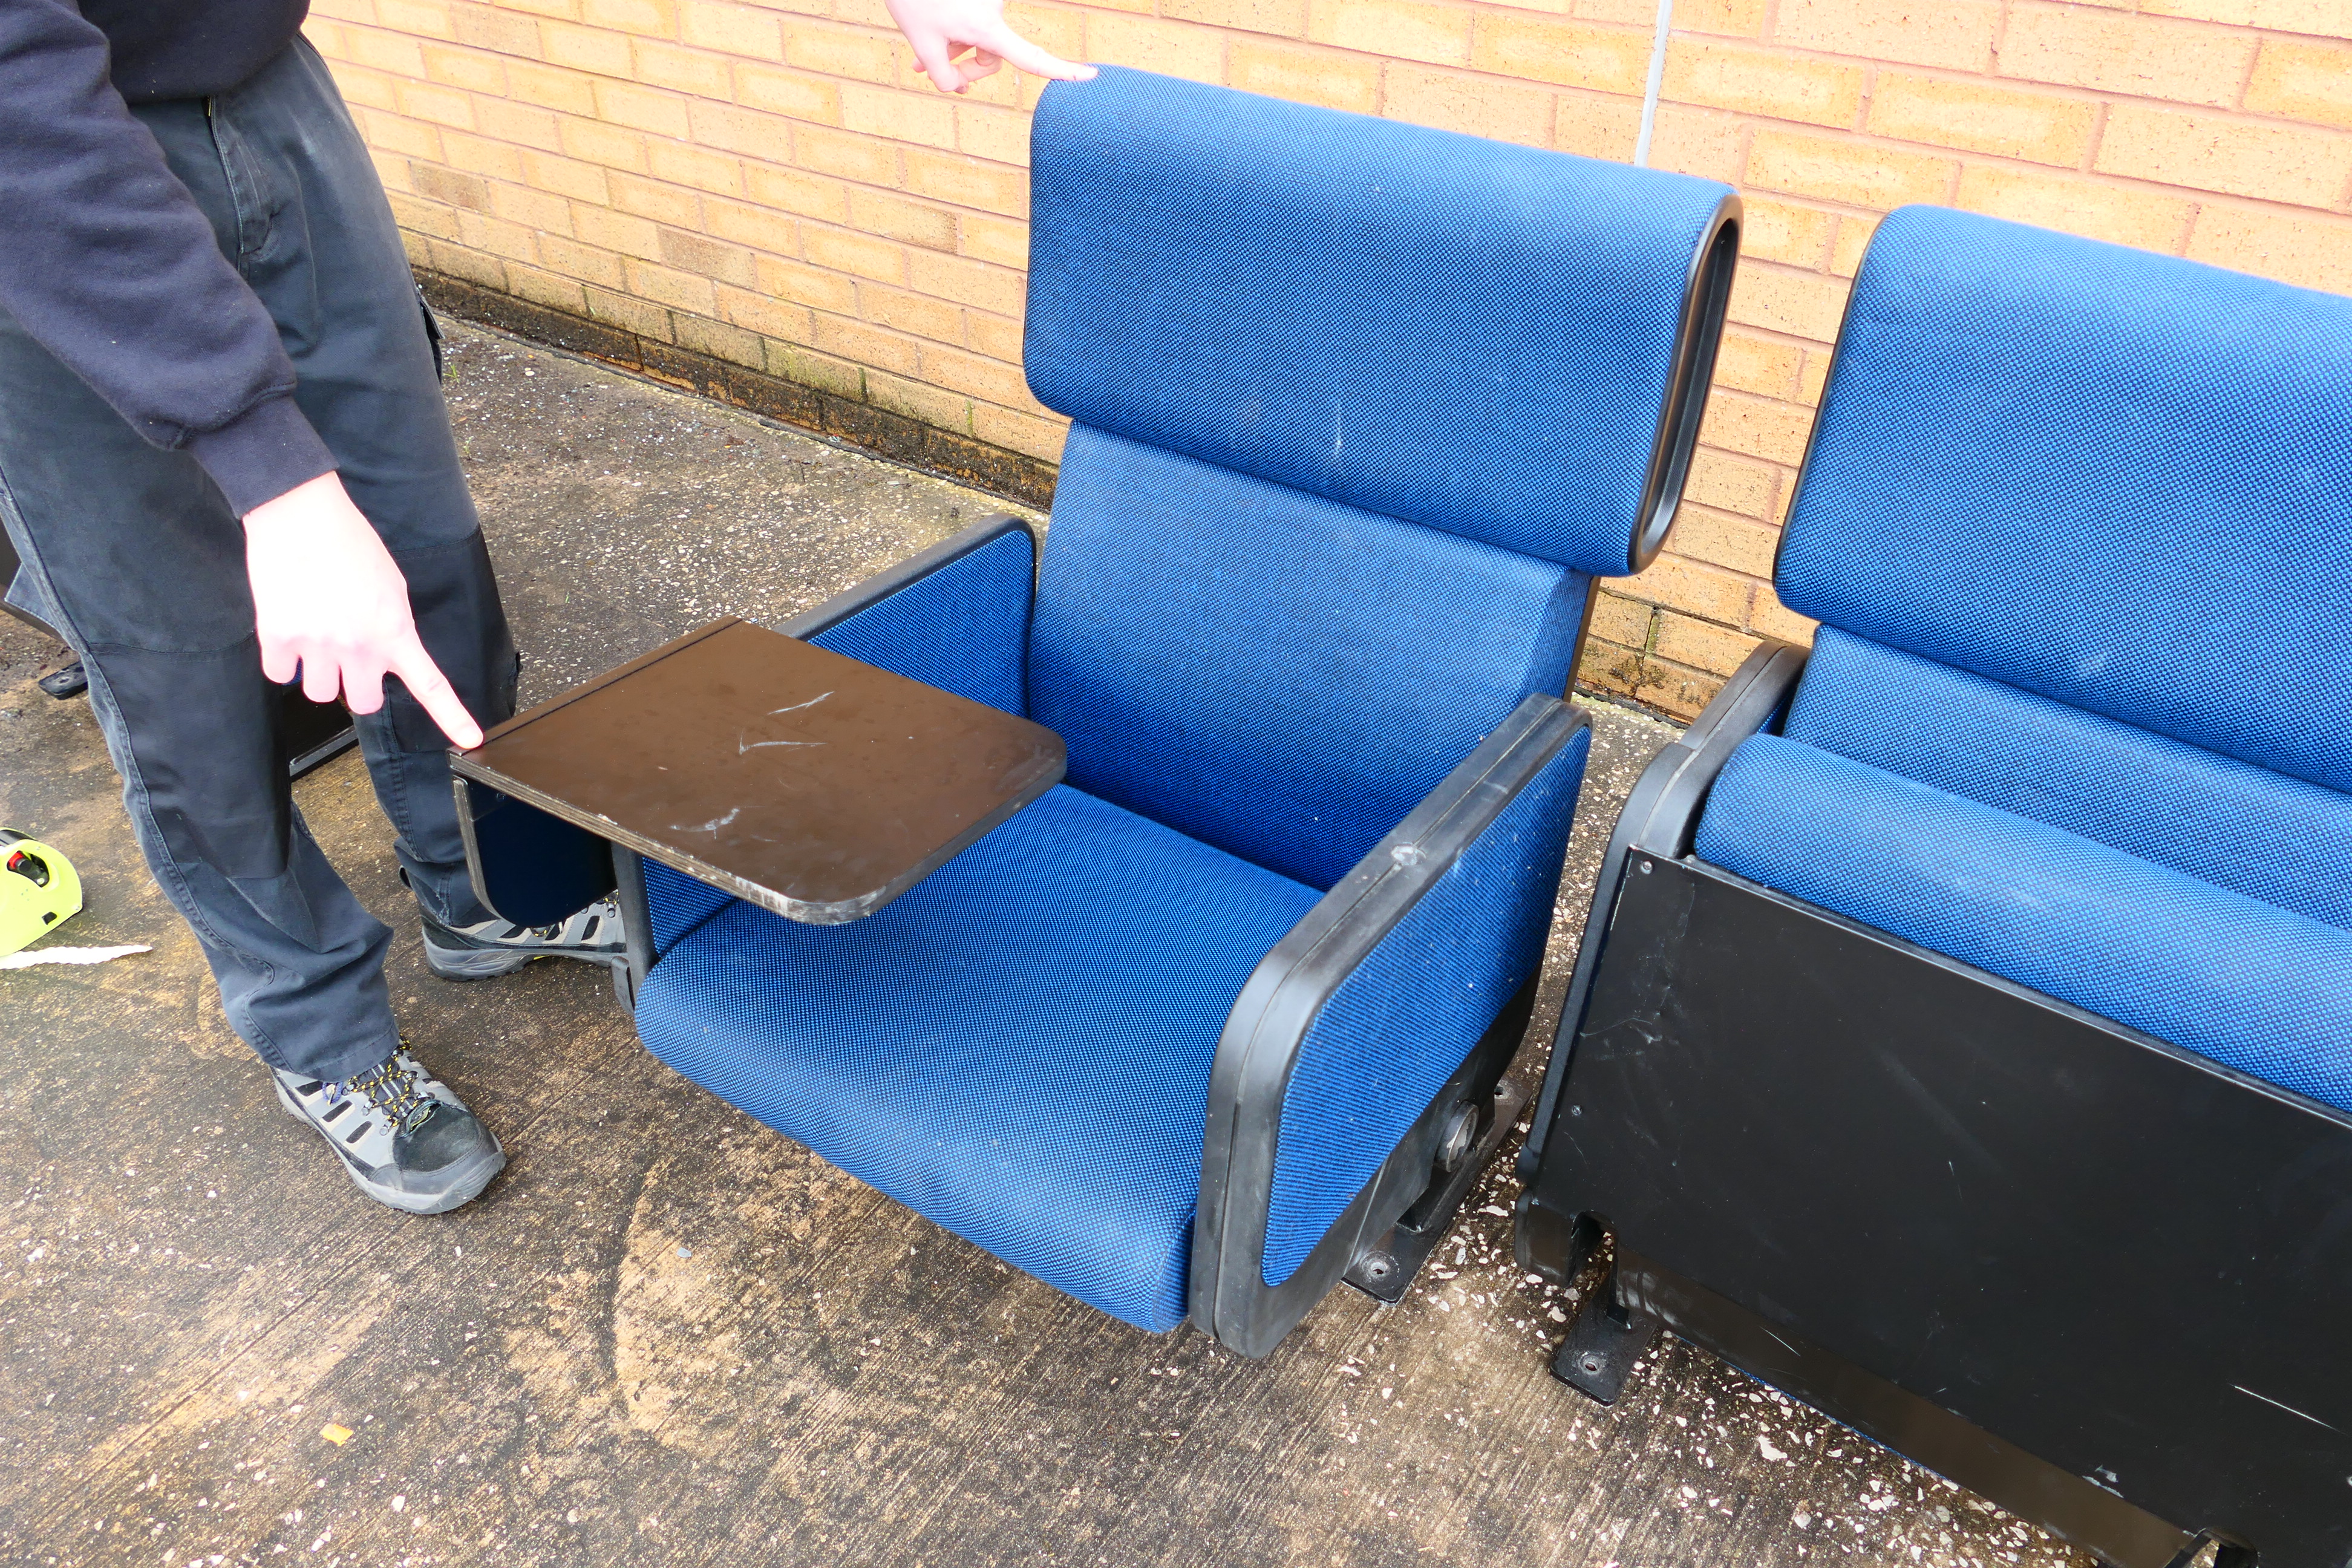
(109, 264)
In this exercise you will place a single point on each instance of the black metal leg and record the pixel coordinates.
(1605, 1338)
(1386, 1269)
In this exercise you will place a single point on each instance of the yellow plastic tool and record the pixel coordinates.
(39, 890)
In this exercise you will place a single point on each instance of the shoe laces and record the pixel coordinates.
(391, 1088)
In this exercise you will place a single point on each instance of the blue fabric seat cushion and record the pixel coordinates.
(1018, 1048)
(1281, 675)
(2256, 987)
(2268, 836)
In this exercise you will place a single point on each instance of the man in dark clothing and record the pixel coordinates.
(224, 458)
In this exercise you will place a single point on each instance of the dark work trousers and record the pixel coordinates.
(133, 552)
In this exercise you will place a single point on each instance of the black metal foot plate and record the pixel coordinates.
(1603, 1342)
(1385, 1270)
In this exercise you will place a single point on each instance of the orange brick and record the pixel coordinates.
(2117, 52)
(518, 124)
(533, 209)
(788, 93)
(998, 134)
(1571, 54)
(2126, 215)
(344, 10)
(1057, 29)
(544, 287)
(998, 337)
(561, 10)
(860, 158)
(1304, 75)
(1758, 426)
(1450, 102)
(1954, 34)
(1750, 80)
(1734, 484)
(923, 117)
(2303, 81)
(642, 109)
(1676, 584)
(386, 52)
(461, 261)
(1764, 366)
(1719, 539)
(838, 376)
(364, 88)
(638, 316)
(2302, 248)
(811, 195)
(681, 70)
(1741, 18)
(735, 129)
(586, 48)
(1285, 17)
(859, 254)
(684, 165)
(919, 315)
(506, 240)
(657, 200)
(754, 312)
(1020, 432)
(805, 285)
(1173, 48)
(550, 88)
(390, 171)
(737, 29)
(467, 68)
(1802, 304)
(645, 18)
(1003, 240)
(585, 262)
(441, 105)
(1813, 377)
(1772, 619)
(1395, 30)
(925, 405)
(496, 30)
(391, 134)
(480, 155)
(616, 231)
(1978, 116)
(842, 51)
(1854, 173)
(2211, 153)
(2324, 18)
(762, 228)
(1852, 239)
(416, 217)
(1779, 231)
(723, 341)
(1701, 142)
(1591, 126)
(566, 176)
(418, 18)
(596, 143)
(707, 258)
(990, 380)
(667, 286)
(1701, 646)
(878, 348)
(896, 217)
(967, 182)
(1621, 620)
(973, 283)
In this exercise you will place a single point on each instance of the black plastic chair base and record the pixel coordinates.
(1386, 1269)
(1605, 1338)
(63, 677)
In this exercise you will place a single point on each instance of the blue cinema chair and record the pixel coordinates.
(1361, 410)
(1964, 1038)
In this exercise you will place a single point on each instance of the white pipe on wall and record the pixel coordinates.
(1657, 75)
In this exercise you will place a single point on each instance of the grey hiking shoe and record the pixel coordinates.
(493, 947)
(405, 1139)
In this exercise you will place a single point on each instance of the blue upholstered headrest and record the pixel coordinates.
(1476, 337)
(2119, 479)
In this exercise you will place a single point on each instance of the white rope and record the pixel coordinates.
(1657, 75)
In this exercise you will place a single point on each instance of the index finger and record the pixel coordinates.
(432, 690)
(1027, 57)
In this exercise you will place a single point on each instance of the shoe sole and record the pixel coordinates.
(463, 964)
(473, 1175)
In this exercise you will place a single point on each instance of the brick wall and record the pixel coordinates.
(770, 185)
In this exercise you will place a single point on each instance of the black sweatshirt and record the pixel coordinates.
(107, 262)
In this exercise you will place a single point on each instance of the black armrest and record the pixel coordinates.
(1661, 817)
(1277, 1009)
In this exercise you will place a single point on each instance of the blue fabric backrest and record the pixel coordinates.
(2261, 834)
(1471, 336)
(2115, 479)
(1277, 675)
